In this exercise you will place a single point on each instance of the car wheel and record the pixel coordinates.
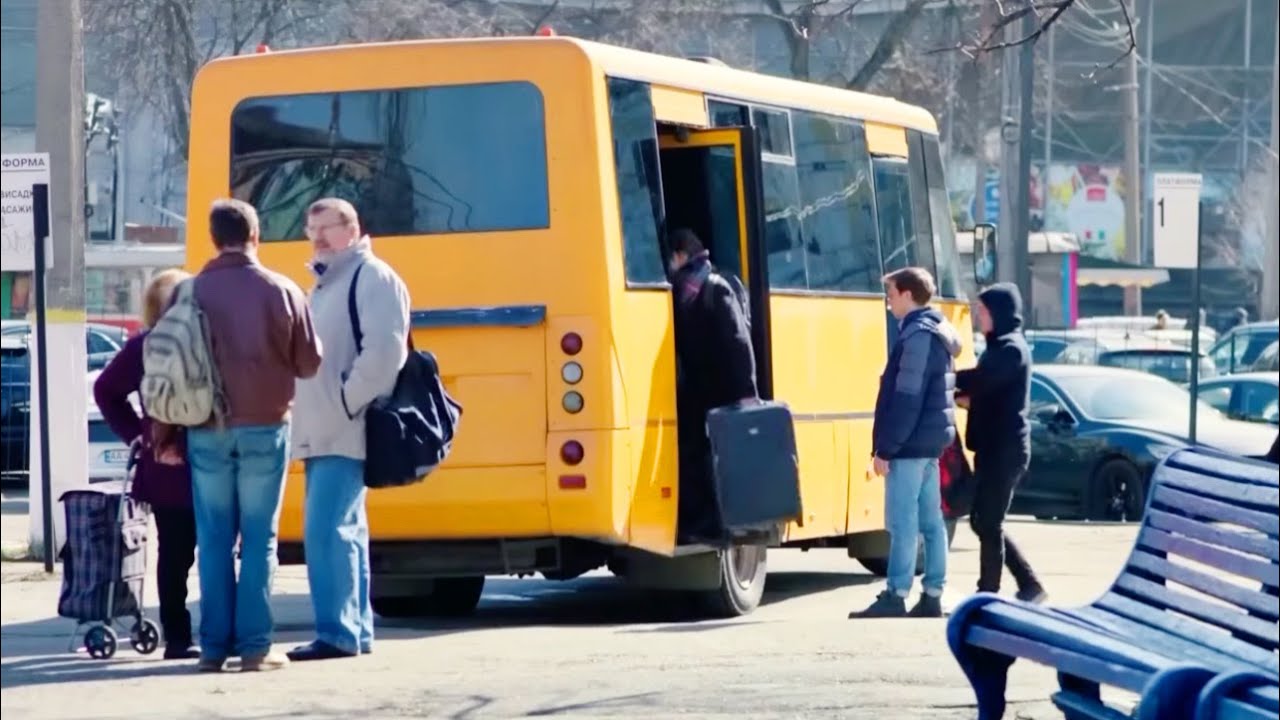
(879, 566)
(1116, 492)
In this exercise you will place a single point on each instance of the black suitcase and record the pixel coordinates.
(754, 466)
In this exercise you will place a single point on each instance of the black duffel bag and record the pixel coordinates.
(410, 432)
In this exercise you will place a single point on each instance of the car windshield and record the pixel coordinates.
(1131, 397)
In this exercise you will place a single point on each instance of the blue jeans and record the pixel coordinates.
(336, 537)
(237, 476)
(913, 508)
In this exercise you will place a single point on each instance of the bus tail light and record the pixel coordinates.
(573, 482)
(572, 452)
(571, 343)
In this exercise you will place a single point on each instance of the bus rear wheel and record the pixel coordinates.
(743, 570)
(448, 597)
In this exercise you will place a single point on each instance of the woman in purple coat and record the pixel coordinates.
(162, 478)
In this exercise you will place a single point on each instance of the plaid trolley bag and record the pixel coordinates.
(104, 563)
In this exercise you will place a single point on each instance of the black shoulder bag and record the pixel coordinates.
(410, 432)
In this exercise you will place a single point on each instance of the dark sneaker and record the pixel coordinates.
(181, 651)
(1034, 595)
(318, 651)
(887, 605)
(270, 660)
(929, 606)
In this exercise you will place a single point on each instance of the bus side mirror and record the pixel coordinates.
(984, 254)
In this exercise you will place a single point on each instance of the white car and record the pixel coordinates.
(108, 455)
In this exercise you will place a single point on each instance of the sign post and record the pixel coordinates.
(40, 214)
(1177, 240)
(20, 173)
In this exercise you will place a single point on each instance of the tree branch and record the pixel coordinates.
(888, 45)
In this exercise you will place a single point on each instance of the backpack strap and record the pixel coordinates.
(354, 312)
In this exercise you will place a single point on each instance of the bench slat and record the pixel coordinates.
(1260, 545)
(1235, 492)
(1187, 628)
(1068, 634)
(1226, 653)
(1247, 598)
(1260, 571)
(1251, 471)
(1267, 697)
(1066, 661)
(1231, 709)
(1202, 610)
(1178, 501)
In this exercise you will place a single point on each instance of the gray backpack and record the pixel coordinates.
(179, 381)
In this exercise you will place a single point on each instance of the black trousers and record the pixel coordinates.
(176, 529)
(996, 476)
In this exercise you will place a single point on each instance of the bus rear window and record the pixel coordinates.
(464, 158)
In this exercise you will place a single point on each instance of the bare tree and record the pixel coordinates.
(154, 47)
(802, 22)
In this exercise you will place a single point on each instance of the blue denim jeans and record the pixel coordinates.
(237, 477)
(336, 537)
(913, 508)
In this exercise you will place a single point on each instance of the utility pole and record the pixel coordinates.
(1026, 119)
(982, 213)
(1132, 181)
(1010, 151)
(1268, 304)
(60, 111)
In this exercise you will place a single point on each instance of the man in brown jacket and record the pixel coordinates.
(262, 340)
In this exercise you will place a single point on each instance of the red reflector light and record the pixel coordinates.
(263, 48)
(573, 482)
(571, 452)
(571, 343)
(546, 31)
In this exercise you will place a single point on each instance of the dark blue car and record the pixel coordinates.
(1098, 432)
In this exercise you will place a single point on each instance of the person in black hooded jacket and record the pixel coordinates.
(998, 392)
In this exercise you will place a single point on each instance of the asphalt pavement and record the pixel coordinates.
(590, 648)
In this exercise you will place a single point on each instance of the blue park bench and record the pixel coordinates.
(1247, 695)
(1197, 602)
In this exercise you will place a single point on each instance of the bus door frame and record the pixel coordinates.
(744, 142)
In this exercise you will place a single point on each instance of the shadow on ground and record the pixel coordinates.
(34, 652)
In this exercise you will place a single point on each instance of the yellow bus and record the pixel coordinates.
(523, 188)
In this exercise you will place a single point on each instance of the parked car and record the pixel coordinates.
(98, 337)
(1237, 350)
(1053, 348)
(1268, 360)
(15, 393)
(102, 342)
(1252, 397)
(108, 456)
(1097, 434)
(1170, 363)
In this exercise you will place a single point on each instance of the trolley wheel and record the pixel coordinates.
(145, 636)
(100, 641)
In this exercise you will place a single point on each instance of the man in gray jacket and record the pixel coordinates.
(329, 430)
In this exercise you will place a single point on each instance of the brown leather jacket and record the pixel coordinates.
(260, 334)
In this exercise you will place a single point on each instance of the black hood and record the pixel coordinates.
(1004, 302)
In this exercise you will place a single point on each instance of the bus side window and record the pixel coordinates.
(635, 148)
